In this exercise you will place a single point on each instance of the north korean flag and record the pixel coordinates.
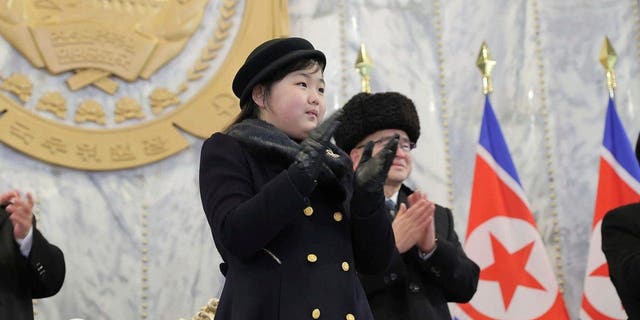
(517, 280)
(618, 184)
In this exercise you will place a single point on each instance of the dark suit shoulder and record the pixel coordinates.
(621, 246)
(629, 213)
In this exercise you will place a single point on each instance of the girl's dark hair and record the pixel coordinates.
(251, 110)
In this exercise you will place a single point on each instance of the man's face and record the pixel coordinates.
(401, 167)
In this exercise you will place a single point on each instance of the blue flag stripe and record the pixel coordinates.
(616, 141)
(492, 140)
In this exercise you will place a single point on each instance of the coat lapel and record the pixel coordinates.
(3, 216)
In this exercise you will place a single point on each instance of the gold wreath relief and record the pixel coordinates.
(99, 50)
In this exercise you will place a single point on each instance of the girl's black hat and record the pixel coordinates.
(268, 57)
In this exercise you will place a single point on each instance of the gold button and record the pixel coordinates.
(315, 313)
(337, 216)
(350, 316)
(312, 257)
(345, 266)
(308, 211)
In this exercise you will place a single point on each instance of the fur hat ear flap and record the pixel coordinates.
(367, 113)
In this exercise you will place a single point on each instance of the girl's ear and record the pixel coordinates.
(257, 94)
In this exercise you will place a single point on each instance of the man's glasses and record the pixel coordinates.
(405, 144)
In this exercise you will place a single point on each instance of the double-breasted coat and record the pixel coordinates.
(39, 275)
(287, 255)
(413, 288)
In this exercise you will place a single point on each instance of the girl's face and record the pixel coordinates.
(295, 104)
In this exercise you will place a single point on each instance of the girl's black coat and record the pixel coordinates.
(268, 243)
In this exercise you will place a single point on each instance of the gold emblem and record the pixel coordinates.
(120, 77)
(97, 39)
(332, 154)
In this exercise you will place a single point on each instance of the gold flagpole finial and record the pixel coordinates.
(608, 59)
(485, 63)
(364, 65)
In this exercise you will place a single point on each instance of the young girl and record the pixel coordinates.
(290, 219)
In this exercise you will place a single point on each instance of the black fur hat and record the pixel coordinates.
(268, 57)
(367, 113)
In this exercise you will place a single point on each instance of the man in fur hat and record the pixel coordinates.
(429, 267)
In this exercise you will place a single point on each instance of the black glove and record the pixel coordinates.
(372, 172)
(308, 160)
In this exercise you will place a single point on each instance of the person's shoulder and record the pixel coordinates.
(222, 142)
(220, 138)
(221, 148)
(626, 213)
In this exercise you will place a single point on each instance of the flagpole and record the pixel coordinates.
(364, 66)
(608, 59)
(485, 63)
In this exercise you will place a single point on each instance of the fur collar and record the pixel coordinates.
(264, 139)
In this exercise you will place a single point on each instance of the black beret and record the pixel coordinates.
(267, 58)
(367, 113)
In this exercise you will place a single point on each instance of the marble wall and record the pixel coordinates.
(549, 95)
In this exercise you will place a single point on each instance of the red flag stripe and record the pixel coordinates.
(592, 312)
(612, 192)
(557, 311)
(492, 195)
